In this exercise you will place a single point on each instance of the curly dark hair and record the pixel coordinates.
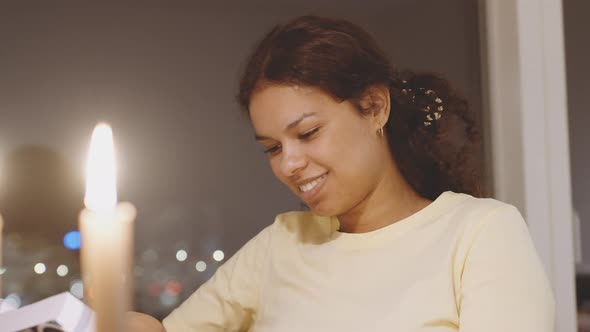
(431, 132)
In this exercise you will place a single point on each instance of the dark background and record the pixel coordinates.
(164, 75)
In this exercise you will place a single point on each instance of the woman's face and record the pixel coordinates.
(325, 151)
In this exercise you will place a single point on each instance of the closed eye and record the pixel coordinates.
(309, 133)
(273, 149)
(306, 135)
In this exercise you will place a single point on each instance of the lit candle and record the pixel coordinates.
(107, 237)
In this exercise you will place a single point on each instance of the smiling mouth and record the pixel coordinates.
(309, 186)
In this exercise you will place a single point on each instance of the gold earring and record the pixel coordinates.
(380, 132)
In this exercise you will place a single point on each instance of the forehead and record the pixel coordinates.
(281, 104)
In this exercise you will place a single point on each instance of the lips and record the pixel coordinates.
(311, 184)
(308, 191)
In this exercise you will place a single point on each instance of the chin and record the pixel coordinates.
(324, 210)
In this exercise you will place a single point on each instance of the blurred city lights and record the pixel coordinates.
(72, 240)
(77, 288)
(181, 255)
(168, 300)
(173, 287)
(201, 266)
(62, 270)
(12, 301)
(218, 255)
(40, 268)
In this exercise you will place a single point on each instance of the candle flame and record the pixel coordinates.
(101, 188)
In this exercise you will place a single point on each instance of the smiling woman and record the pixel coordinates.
(318, 146)
(397, 238)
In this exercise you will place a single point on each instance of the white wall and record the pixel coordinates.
(526, 89)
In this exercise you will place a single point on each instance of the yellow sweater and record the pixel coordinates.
(460, 264)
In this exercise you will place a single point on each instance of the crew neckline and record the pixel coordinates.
(432, 210)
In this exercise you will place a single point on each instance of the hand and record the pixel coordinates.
(138, 322)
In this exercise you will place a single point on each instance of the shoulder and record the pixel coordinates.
(472, 217)
(487, 218)
(478, 211)
(469, 205)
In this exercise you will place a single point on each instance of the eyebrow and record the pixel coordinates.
(290, 125)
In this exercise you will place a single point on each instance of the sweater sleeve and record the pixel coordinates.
(228, 301)
(504, 286)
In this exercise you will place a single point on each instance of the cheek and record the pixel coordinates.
(355, 162)
(350, 151)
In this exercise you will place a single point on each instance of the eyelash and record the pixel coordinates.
(304, 136)
(272, 149)
(309, 133)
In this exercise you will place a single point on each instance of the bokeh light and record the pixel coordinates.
(201, 266)
(72, 240)
(12, 301)
(168, 300)
(181, 255)
(39, 268)
(173, 287)
(77, 288)
(218, 255)
(62, 270)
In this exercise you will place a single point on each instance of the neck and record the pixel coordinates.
(392, 200)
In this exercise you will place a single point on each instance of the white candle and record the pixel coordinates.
(107, 237)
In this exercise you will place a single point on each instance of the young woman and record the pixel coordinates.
(395, 239)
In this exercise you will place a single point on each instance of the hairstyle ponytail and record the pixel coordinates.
(433, 135)
(432, 146)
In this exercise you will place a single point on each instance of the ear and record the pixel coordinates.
(376, 105)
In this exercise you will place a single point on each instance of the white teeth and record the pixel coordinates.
(311, 185)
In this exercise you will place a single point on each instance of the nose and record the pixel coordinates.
(292, 160)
